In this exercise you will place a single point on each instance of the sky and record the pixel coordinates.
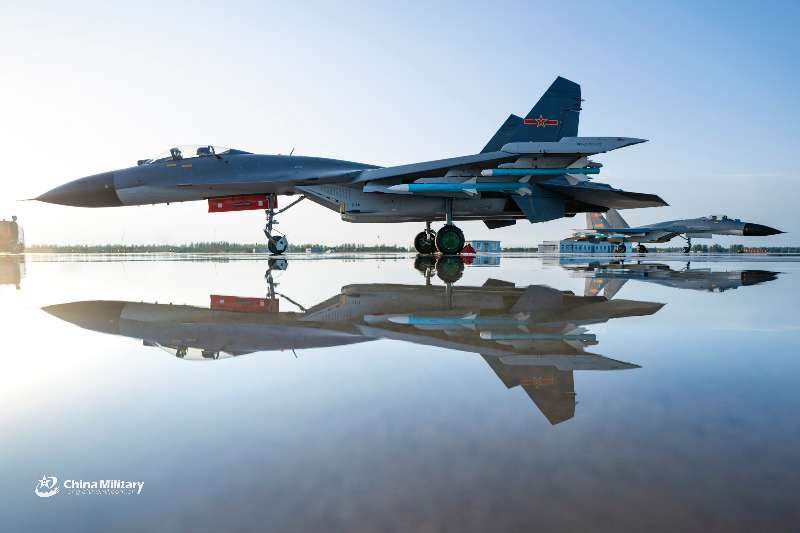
(91, 87)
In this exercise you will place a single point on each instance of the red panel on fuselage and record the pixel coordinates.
(239, 203)
(238, 304)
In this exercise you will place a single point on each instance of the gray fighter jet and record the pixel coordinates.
(534, 168)
(532, 336)
(613, 228)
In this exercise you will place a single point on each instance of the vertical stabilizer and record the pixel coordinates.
(554, 116)
(615, 219)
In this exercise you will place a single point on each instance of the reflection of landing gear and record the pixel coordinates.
(642, 249)
(278, 263)
(425, 241)
(450, 268)
(619, 249)
(426, 265)
(688, 248)
(277, 244)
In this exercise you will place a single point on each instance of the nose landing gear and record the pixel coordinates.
(277, 244)
(425, 241)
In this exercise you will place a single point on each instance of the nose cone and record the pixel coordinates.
(94, 191)
(757, 230)
(100, 316)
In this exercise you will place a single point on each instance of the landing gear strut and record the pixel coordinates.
(425, 241)
(688, 248)
(277, 244)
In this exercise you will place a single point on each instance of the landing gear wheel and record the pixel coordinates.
(642, 249)
(450, 268)
(686, 250)
(449, 240)
(425, 242)
(619, 249)
(277, 244)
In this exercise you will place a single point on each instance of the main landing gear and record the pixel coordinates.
(277, 244)
(449, 240)
(642, 249)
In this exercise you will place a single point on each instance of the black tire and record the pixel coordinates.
(277, 244)
(686, 250)
(450, 268)
(425, 262)
(425, 242)
(642, 249)
(449, 240)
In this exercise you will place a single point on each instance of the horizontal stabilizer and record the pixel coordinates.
(494, 224)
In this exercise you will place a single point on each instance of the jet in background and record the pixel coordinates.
(613, 228)
(609, 278)
(534, 336)
(534, 168)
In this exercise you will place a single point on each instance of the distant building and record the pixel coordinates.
(548, 247)
(577, 246)
(485, 247)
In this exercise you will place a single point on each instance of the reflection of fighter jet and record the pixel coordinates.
(533, 337)
(533, 168)
(613, 228)
(610, 277)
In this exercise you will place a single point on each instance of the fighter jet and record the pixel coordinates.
(609, 278)
(613, 228)
(532, 336)
(534, 168)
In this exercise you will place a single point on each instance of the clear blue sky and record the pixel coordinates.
(93, 87)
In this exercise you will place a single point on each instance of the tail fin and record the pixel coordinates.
(504, 134)
(596, 221)
(615, 219)
(555, 115)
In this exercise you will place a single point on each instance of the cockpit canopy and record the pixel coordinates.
(188, 151)
(721, 218)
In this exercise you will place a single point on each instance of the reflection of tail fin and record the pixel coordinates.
(594, 286)
(596, 221)
(613, 286)
(615, 219)
(552, 390)
(555, 115)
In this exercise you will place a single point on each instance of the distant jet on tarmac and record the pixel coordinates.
(534, 168)
(613, 228)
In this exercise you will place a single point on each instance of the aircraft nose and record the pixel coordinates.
(757, 230)
(100, 316)
(92, 191)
